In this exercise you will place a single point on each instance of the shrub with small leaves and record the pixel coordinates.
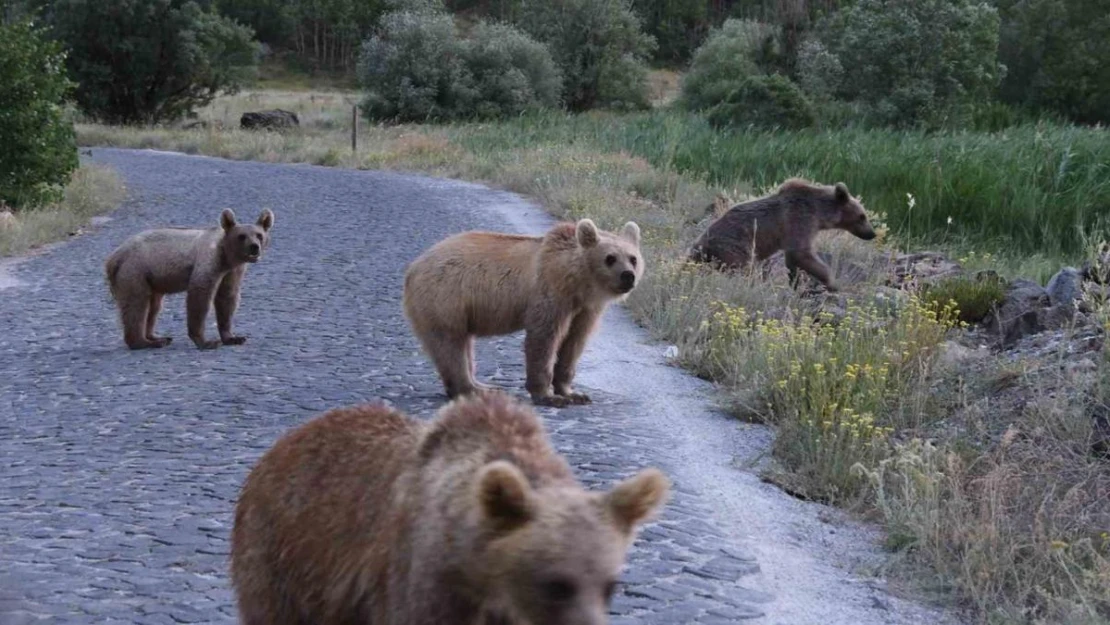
(600, 47)
(38, 150)
(764, 102)
(418, 68)
(734, 52)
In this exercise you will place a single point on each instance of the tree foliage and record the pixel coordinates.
(1057, 57)
(734, 52)
(418, 68)
(600, 47)
(767, 102)
(151, 60)
(917, 61)
(38, 149)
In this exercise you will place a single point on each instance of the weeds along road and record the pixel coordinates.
(119, 470)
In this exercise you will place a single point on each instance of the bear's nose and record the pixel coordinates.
(628, 279)
(253, 249)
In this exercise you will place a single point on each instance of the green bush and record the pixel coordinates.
(734, 52)
(974, 297)
(917, 61)
(38, 150)
(418, 68)
(819, 70)
(1056, 57)
(150, 61)
(512, 72)
(599, 46)
(764, 102)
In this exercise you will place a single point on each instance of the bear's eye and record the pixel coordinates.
(242, 237)
(558, 590)
(610, 589)
(632, 259)
(610, 259)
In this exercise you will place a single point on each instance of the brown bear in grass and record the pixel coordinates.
(207, 263)
(787, 220)
(554, 287)
(364, 515)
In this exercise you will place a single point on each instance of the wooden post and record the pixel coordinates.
(354, 128)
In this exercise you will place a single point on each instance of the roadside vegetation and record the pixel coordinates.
(948, 396)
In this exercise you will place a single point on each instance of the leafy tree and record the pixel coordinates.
(38, 149)
(599, 46)
(734, 52)
(678, 26)
(419, 68)
(917, 61)
(151, 60)
(1057, 57)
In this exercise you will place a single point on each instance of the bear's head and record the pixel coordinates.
(555, 552)
(850, 214)
(244, 243)
(613, 260)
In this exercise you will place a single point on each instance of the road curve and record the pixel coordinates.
(119, 470)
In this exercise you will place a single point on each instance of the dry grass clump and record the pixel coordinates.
(93, 190)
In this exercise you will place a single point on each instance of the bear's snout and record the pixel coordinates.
(253, 249)
(628, 280)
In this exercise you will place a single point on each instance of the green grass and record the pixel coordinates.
(1041, 189)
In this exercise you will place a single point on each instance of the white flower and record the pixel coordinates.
(949, 220)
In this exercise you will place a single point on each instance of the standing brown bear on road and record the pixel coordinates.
(207, 263)
(554, 287)
(788, 220)
(364, 515)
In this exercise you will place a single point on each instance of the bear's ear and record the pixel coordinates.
(586, 233)
(266, 219)
(842, 195)
(227, 219)
(631, 232)
(504, 495)
(634, 500)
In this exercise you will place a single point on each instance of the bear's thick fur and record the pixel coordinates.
(787, 220)
(364, 515)
(554, 287)
(207, 263)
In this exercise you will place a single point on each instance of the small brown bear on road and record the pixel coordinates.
(364, 515)
(554, 287)
(207, 263)
(788, 220)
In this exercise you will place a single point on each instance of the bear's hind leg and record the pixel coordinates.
(134, 305)
(474, 368)
(152, 318)
(451, 355)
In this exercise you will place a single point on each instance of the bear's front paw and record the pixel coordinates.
(234, 340)
(160, 341)
(208, 344)
(555, 401)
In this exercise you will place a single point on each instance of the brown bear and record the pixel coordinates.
(207, 263)
(788, 219)
(364, 515)
(554, 287)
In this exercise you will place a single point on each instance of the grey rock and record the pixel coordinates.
(276, 119)
(1065, 287)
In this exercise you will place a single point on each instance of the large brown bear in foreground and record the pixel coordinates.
(788, 220)
(554, 287)
(207, 263)
(364, 515)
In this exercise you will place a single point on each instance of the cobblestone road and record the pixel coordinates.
(119, 470)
